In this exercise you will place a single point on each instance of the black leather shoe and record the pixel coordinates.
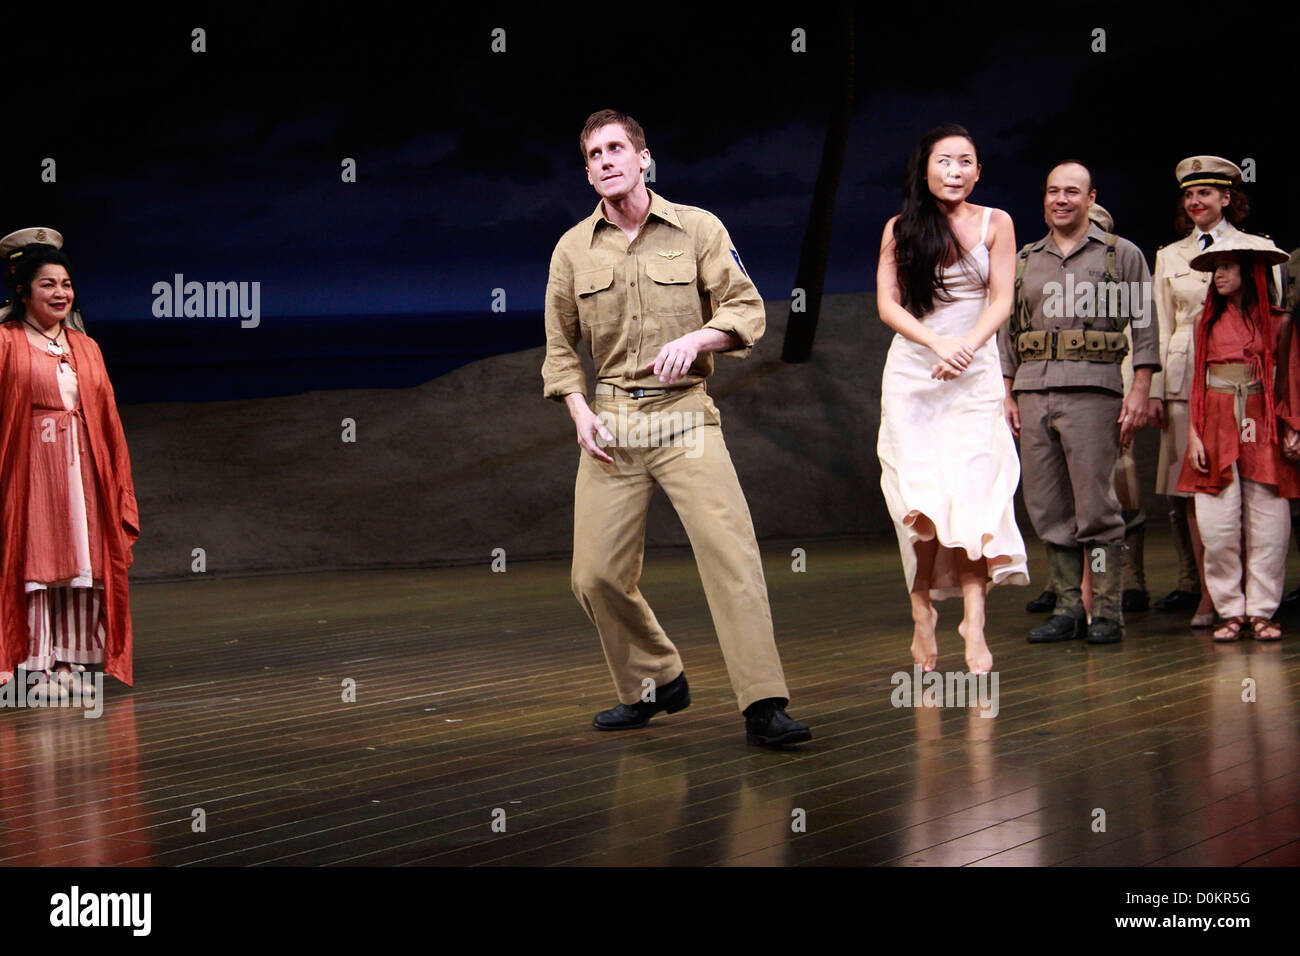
(1291, 600)
(1043, 603)
(768, 725)
(1059, 627)
(1178, 601)
(1135, 600)
(672, 697)
(1103, 630)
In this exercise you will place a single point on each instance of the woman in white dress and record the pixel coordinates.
(948, 465)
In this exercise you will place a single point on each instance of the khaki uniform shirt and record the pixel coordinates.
(1086, 262)
(681, 274)
(1179, 295)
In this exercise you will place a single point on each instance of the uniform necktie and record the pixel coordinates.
(1206, 239)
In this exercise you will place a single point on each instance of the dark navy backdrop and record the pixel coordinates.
(225, 165)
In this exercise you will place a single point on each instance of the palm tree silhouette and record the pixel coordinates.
(801, 326)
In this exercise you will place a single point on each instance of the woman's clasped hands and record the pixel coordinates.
(954, 356)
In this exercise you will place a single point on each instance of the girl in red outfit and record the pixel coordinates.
(1243, 438)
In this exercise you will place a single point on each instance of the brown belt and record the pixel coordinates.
(604, 388)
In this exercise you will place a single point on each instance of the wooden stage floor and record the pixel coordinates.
(474, 693)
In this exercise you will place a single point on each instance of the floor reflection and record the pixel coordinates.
(70, 789)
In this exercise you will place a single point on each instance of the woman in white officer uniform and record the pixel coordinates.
(1210, 205)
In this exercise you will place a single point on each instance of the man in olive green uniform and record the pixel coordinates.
(1061, 357)
(1127, 489)
(655, 287)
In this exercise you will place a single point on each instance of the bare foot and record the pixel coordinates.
(925, 649)
(979, 659)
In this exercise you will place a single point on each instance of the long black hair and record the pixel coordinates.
(923, 238)
(1218, 303)
(24, 264)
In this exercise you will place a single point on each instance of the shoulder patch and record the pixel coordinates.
(736, 255)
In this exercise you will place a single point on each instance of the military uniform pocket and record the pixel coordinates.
(671, 290)
(1178, 360)
(1032, 346)
(1069, 344)
(596, 307)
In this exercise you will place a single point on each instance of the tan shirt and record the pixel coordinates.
(681, 274)
(1180, 296)
(1045, 279)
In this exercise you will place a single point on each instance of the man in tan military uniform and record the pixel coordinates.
(12, 246)
(1061, 357)
(654, 288)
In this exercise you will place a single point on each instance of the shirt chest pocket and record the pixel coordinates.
(594, 291)
(1189, 288)
(671, 289)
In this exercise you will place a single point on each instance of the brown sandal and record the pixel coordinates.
(1229, 630)
(1265, 629)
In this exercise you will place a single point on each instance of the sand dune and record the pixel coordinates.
(477, 460)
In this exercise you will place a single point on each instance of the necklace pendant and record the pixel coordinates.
(55, 348)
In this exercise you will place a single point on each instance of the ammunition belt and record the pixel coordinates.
(1072, 345)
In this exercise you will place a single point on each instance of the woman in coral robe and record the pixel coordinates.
(69, 511)
(1242, 439)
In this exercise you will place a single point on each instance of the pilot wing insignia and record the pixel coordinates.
(671, 255)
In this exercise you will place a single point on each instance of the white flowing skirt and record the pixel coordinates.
(948, 463)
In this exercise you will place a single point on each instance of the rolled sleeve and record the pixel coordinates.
(736, 305)
(562, 372)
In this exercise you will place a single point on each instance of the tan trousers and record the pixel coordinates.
(1069, 442)
(674, 441)
(1245, 517)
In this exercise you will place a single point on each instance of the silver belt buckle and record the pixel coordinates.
(637, 392)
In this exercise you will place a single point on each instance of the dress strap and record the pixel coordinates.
(984, 226)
